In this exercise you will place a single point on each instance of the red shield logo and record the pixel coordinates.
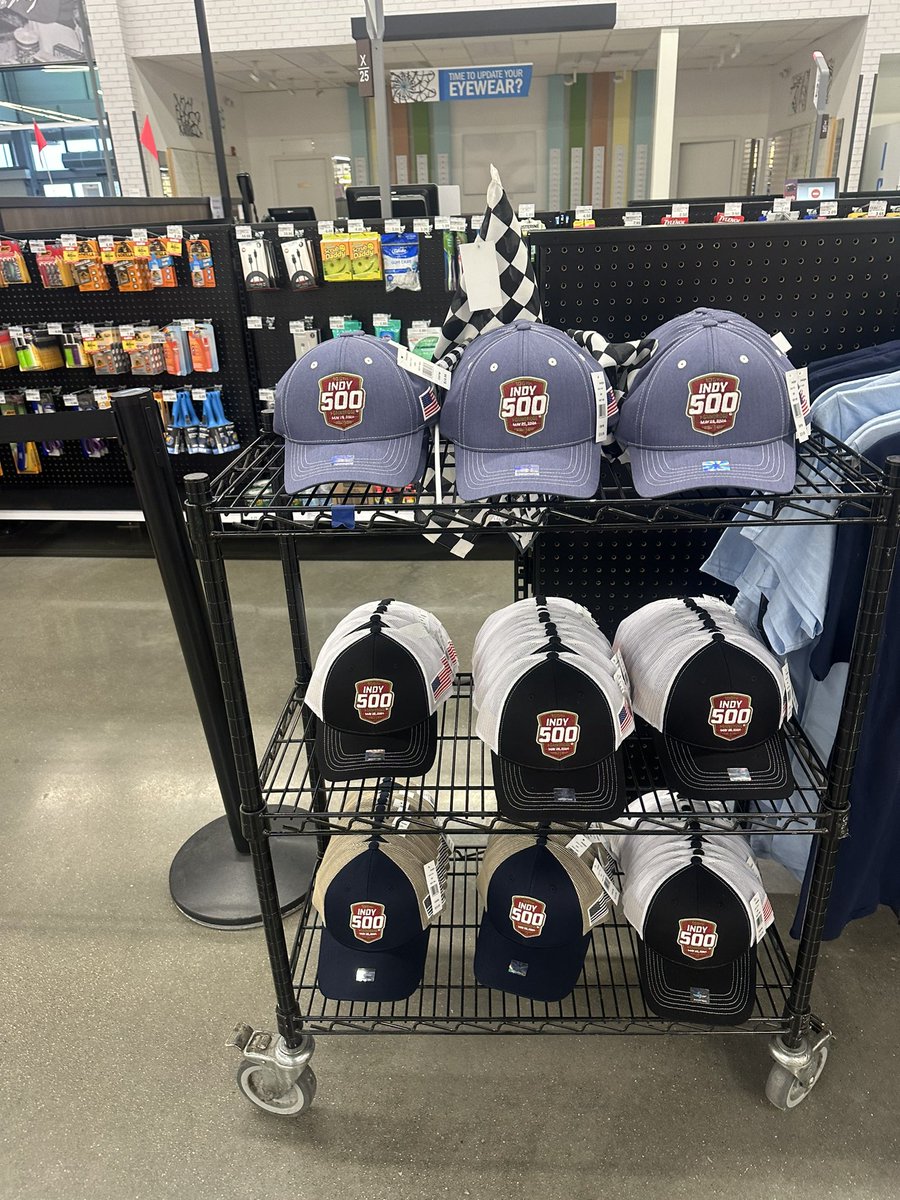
(528, 916)
(374, 700)
(367, 920)
(558, 732)
(523, 405)
(713, 403)
(730, 714)
(697, 938)
(342, 399)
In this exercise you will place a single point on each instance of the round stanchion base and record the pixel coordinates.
(214, 885)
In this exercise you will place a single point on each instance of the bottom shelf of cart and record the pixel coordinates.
(607, 998)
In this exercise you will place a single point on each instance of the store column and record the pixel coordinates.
(664, 115)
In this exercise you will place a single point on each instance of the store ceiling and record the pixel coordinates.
(761, 44)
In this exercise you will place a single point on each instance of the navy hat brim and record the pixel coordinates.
(531, 794)
(544, 973)
(572, 471)
(701, 774)
(771, 467)
(710, 995)
(390, 462)
(343, 755)
(346, 973)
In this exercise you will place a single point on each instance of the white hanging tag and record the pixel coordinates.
(481, 275)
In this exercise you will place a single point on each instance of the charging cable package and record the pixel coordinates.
(258, 264)
(300, 262)
(400, 252)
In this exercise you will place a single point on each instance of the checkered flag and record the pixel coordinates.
(622, 361)
(500, 228)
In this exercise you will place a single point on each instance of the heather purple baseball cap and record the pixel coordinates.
(526, 411)
(349, 413)
(711, 409)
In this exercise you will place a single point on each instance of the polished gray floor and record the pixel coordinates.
(114, 1083)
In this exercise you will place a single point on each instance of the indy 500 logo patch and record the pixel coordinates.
(713, 403)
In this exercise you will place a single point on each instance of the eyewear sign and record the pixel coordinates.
(461, 83)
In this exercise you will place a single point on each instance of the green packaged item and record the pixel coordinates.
(388, 328)
(423, 341)
(349, 326)
(400, 252)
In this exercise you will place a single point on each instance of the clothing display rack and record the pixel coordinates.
(827, 289)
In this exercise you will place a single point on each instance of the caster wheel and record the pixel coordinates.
(260, 1085)
(786, 1090)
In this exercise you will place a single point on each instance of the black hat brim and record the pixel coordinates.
(542, 973)
(710, 995)
(532, 794)
(409, 751)
(700, 774)
(397, 972)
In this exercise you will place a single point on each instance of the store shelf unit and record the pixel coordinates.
(285, 795)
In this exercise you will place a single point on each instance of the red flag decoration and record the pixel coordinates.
(147, 139)
(39, 139)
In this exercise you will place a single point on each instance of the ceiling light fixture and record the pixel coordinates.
(254, 76)
(273, 85)
(736, 49)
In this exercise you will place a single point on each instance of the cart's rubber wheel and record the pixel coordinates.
(259, 1084)
(785, 1090)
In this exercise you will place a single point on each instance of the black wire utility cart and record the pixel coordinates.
(645, 549)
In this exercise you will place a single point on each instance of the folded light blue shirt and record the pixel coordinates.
(787, 563)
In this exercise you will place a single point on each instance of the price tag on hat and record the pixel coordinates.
(795, 396)
(788, 691)
(481, 273)
(435, 891)
(620, 674)
(606, 881)
(598, 379)
(422, 367)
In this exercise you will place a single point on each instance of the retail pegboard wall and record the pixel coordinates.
(613, 572)
(829, 286)
(272, 348)
(32, 305)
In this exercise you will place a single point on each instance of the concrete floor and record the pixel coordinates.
(114, 1081)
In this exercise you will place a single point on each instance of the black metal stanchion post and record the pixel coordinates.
(879, 568)
(211, 878)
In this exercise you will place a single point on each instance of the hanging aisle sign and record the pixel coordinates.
(460, 83)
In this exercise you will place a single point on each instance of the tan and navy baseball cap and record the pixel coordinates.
(715, 695)
(541, 900)
(697, 903)
(378, 895)
(376, 687)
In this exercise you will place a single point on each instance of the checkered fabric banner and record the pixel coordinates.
(499, 228)
(621, 361)
(457, 532)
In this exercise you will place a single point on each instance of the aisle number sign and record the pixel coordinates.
(428, 85)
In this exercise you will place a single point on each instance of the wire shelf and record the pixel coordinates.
(461, 782)
(606, 999)
(834, 484)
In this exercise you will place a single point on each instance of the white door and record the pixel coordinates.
(301, 181)
(705, 169)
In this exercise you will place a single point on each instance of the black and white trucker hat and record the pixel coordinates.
(699, 908)
(376, 688)
(716, 696)
(554, 715)
(541, 900)
(378, 897)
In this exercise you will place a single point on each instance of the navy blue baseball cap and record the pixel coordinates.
(373, 896)
(541, 901)
(349, 413)
(526, 409)
(711, 409)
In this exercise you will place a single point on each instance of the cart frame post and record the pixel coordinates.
(866, 640)
(254, 820)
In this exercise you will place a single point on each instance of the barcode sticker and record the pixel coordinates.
(37, 247)
(254, 322)
(392, 225)
(781, 204)
(877, 208)
(606, 881)
(435, 892)
(408, 361)
(169, 395)
(458, 224)
(32, 395)
(54, 328)
(598, 379)
(325, 226)
(421, 225)
(796, 399)
(441, 223)
(788, 691)
(285, 231)
(68, 241)
(126, 331)
(475, 221)
(681, 210)
(87, 331)
(526, 211)
(598, 911)
(583, 212)
(139, 236)
(187, 324)
(198, 395)
(336, 322)
(634, 218)
(356, 225)
(828, 208)
(174, 233)
(732, 208)
(243, 232)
